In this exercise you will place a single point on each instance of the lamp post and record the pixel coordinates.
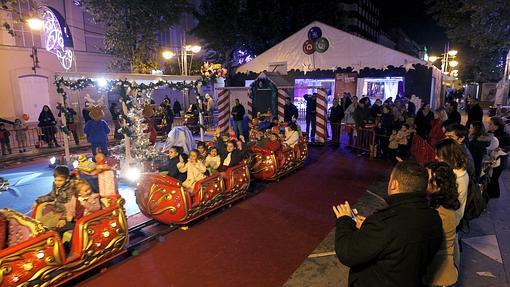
(184, 52)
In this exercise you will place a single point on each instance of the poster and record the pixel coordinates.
(488, 92)
(345, 83)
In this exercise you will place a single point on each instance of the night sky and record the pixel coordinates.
(412, 16)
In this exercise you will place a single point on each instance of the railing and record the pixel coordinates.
(359, 138)
(35, 137)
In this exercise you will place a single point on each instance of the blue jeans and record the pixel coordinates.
(238, 128)
(102, 146)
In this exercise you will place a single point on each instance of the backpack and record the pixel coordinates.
(475, 203)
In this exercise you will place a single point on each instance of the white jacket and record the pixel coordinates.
(195, 172)
(462, 187)
(291, 137)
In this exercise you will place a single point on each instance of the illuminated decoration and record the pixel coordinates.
(57, 36)
(243, 57)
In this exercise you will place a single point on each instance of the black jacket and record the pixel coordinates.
(173, 171)
(311, 105)
(86, 115)
(290, 111)
(455, 116)
(478, 149)
(361, 115)
(238, 112)
(411, 109)
(394, 246)
(236, 157)
(475, 114)
(336, 114)
(423, 123)
(387, 123)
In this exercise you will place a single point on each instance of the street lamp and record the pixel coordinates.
(453, 53)
(433, 58)
(453, 63)
(167, 55)
(35, 23)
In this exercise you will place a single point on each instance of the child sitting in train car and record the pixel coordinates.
(62, 198)
(273, 142)
(202, 149)
(291, 135)
(213, 160)
(174, 157)
(194, 168)
(89, 200)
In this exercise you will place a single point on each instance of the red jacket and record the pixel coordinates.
(436, 133)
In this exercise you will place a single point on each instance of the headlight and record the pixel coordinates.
(133, 174)
(53, 160)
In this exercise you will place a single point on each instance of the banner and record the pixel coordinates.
(345, 83)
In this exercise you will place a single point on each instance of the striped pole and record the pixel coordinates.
(250, 105)
(223, 110)
(321, 115)
(282, 94)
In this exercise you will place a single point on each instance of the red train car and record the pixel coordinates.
(163, 198)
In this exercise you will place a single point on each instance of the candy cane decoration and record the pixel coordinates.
(321, 114)
(223, 110)
(250, 104)
(282, 94)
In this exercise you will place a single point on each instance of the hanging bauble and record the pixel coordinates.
(321, 45)
(314, 33)
(308, 47)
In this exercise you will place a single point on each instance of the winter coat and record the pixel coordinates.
(455, 117)
(20, 130)
(291, 137)
(336, 114)
(475, 114)
(394, 245)
(238, 112)
(423, 123)
(411, 109)
(387, 123)
(97, 131)
(290, 111)
(4, 136)
(177, 108)
(173, 171)
(212, 163)
(236, 156)
(195, 171)
(436, 132)
(47, 120)
(442, 271)
(361, 115)
(462, 179)
(478, 149)
(61, 197)
(349, 114)
(311, 105)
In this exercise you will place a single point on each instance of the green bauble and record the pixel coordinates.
(321, 45)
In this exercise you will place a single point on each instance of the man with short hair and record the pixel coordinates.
(459, 133)
(311, 115)
(393, 246)
(336, 115)
(238, 116)
(290, 111)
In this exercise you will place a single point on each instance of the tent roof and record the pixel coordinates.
(277, 79)
(345, 50)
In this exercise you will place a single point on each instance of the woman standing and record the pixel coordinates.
(450, 152)
(436, 132)
(478, 143)
(497, 127)
(423, 121)
(48, 124)
(443, 196)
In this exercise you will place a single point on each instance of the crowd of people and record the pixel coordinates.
(415, 241)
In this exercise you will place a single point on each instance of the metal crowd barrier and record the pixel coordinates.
(359, 138)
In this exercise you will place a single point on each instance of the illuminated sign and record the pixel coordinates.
(57, 37)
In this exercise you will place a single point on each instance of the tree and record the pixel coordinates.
(9, 6)
(131, 27)
(255, 26)
(482, 27)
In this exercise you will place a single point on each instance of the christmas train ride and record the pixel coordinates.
(34, 255)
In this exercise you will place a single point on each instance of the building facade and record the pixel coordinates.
(362, 18)
(28, 68)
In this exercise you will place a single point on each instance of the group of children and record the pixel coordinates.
(21, 137)
(275, 135)
(398, 146)
(204, 160)
(74, 194)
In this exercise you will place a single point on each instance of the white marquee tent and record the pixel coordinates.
(345, 50)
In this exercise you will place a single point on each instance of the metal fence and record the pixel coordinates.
(37, 138)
